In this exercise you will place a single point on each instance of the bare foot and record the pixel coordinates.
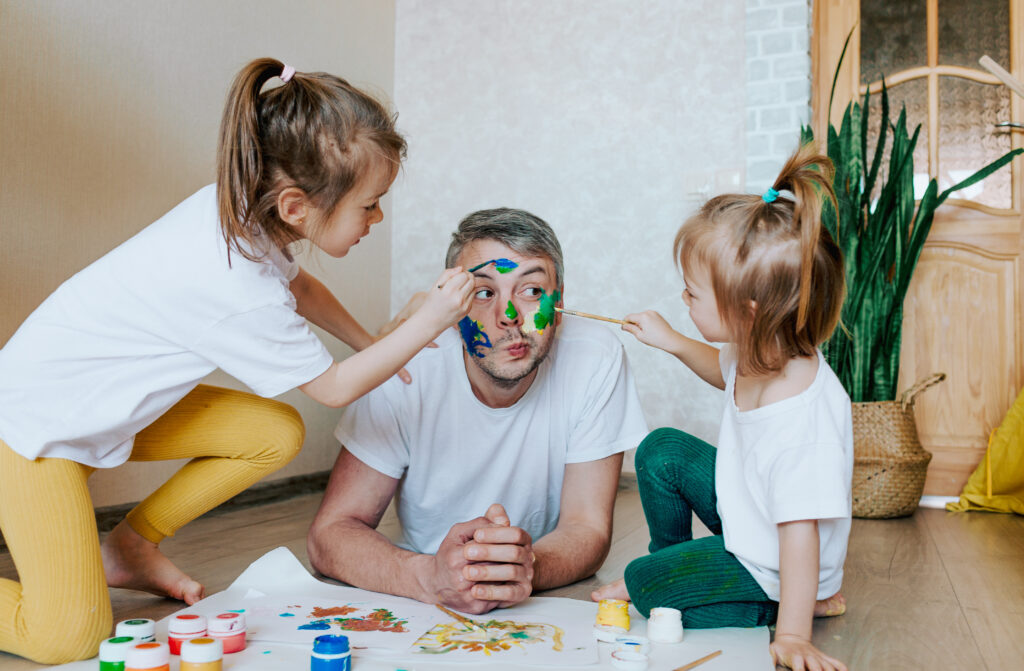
(613, 590)
(830, 607)
(131, 561)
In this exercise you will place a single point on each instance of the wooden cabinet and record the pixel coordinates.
(962, 314)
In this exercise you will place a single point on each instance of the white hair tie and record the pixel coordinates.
(287, 72)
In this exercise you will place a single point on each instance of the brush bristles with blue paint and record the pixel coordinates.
(501, 265)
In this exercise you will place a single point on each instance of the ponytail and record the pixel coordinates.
(315, 132)
(808, 176)
(239, 157)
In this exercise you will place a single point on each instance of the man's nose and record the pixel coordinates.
(510, 316)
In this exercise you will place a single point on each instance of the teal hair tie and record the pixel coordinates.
(770, 195)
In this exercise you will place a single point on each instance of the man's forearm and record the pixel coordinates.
(361, 556)
(568, 554)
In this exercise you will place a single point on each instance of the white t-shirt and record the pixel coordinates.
(457, 456)
(126, 338)
(790, 460)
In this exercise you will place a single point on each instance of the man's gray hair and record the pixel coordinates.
(519, 230)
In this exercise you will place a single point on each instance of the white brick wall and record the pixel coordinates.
(778, 87)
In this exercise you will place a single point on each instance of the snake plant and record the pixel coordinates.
(881, 231)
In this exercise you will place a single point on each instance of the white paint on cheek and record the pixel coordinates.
(529, 323)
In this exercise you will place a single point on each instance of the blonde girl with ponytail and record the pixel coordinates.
(765, 278)
(108, 368)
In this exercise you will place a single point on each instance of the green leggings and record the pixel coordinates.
(676, 475)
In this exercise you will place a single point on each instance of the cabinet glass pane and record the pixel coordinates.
(967, 140)
(913, 94)
(969, 30)
(893, 37)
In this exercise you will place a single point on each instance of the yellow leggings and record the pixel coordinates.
(60, 611)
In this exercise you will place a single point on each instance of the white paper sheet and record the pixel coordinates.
(278, 577)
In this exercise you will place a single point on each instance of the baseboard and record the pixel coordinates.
(929, 501)
(107, 517)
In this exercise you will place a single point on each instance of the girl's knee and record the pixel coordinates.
(284, 434)
(659, 445)
(68, 635)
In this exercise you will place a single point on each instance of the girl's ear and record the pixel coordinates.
(293, 207)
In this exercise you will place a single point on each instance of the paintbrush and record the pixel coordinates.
(698, 662)
(503, 265)
(464, 620)
(590, 316)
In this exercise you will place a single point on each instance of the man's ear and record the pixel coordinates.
(293, 207)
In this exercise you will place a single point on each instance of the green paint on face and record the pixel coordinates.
(546, 312)
(510, 311)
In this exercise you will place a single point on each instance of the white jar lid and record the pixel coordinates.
(115, 649)
(148, 655)
(187, 623)
(226, 624)
(140, 628)
(201, 650)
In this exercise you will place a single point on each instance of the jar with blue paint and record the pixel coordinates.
(330, 653)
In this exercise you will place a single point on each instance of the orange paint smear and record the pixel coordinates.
(337, 610)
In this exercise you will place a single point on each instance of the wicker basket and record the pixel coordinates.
(889, 464)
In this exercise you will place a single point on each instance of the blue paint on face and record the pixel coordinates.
(474, 336)
(287, 615)
(505, 265)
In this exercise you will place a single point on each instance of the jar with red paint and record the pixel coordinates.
(229, 628)
(184, 627)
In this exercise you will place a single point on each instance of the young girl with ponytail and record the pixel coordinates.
(107, 369)
(762, 276)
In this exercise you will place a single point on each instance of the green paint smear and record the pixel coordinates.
(510, 311)
(546, 313)
(505, 265)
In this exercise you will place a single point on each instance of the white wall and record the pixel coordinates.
(778, 89)
(110, 113)
(609, 119)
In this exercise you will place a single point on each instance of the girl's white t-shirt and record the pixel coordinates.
(120, 342)
(787, 461)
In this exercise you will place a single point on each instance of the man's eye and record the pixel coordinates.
(533, 292)
(371, 208)
(483, 294)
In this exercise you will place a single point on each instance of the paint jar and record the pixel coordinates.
(142, 629)
(184, 627)
(202, 654)
(633, 643)
(229, 628)
(626, 660)
(113, 652)
(612, 619)
(151, 656)
(613, 613)
(330, 653)
(665, 625)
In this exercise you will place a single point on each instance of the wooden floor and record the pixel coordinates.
(934, 591)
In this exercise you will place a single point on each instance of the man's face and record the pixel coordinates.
(501, 331)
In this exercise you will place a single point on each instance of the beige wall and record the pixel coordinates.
(109, 117)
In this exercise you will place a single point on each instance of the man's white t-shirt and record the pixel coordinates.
(120, 342)
(787, 461)
(456, 456)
